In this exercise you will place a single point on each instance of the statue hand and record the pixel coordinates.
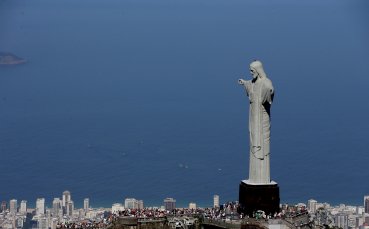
(241, 81)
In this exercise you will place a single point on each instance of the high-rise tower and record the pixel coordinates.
(56, 207)
(366, 204)
(66, 198)
(3, 206)
(170, 204)
(40, 206)
(13, 206)
(23, 207)
(312, 205)
(70, 208)
(216, 201)
(86, 204)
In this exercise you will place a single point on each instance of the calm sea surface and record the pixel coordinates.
(140, 99)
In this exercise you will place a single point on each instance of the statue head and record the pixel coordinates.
(256, 69)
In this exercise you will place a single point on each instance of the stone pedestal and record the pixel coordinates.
(253, 197)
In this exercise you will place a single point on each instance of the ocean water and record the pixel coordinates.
(139, 98)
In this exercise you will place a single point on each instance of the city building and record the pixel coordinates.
(70, 208)
(359, 221)
(86, 204)
(216, 201)
(192, 206)
(81, 213)
(23, 207)
(169, 204)
(312, 206)
(140, 204)
(18, 222)
(115, 208)
(341, 220)
(53, 223)
(57, 208)
(42, 223)
(359, 210)
(13, 206)
(66, 198)
(40, 206)
(3, 206)
(366, 204)
(131, 203)
(48, 215)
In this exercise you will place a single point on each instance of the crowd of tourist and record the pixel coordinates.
(142, 213)
(86, 224)
(226, 210)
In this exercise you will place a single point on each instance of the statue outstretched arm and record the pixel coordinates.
(242, 81)
(246, 84)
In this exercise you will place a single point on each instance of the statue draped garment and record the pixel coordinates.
(260, 93)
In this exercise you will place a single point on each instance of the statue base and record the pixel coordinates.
(254, 197)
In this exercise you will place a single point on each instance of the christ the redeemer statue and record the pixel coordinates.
(260, 92)
(259, 192)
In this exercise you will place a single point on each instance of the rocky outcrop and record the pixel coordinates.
(7, 58)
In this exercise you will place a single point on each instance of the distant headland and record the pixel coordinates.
(7, 58)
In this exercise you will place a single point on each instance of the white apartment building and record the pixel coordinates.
(23, 207)
(40, 206)
(216, 201)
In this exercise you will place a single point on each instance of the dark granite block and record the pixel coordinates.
(263, 197)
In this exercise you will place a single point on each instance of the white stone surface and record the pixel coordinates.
(260, 92)
(254, 183)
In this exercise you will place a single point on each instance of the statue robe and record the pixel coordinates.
(260, 93)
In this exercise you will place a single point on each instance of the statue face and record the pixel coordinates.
(254, 73)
